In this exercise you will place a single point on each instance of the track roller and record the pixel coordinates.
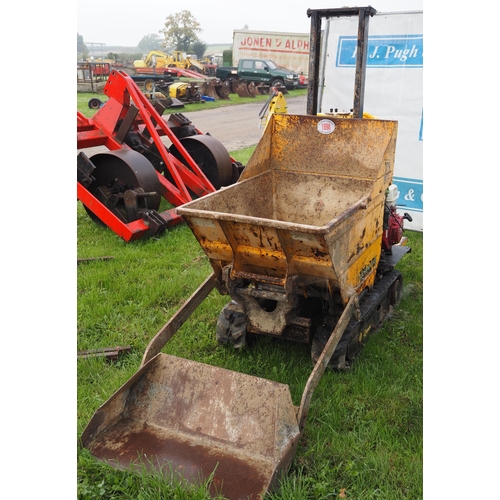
(210, 155)
(126, 183)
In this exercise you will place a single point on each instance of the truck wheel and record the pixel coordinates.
(194, 68)
(277, 83)
(149, 85)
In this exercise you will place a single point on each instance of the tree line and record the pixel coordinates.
(180, 32)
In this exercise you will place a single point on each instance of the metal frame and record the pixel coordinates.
(128, 109)
(316, 15)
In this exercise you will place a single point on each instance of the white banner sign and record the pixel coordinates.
(393, 89)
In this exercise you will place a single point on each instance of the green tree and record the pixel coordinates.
(81, 48)
(150, 42)
(181, 31)
(198, 48)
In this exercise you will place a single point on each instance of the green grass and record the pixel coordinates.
(363, 438)
(82, 100)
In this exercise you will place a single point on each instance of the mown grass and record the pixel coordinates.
(82, 100)
(364, 433)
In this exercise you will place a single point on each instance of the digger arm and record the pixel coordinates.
(178, 319)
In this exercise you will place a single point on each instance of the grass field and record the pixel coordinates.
(364, 434)
(83, 98)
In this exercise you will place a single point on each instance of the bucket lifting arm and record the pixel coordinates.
(242, 431)
(178, 319)
(181, 316)
(320, 366)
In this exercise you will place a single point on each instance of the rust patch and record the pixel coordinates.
(319, 254)
(233, 477)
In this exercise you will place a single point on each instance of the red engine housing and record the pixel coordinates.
(393, 228)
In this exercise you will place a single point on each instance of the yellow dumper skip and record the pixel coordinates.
(310, 202)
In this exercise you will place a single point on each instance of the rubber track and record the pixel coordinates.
(372, 316)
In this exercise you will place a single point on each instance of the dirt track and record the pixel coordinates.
(237, 127)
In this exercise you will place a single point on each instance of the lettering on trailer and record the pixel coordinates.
(395, 51)
(411, 194)
(294, 45)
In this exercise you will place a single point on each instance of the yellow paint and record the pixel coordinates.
(277, 105)
(178, 89)
(364, 333)
(362, 272)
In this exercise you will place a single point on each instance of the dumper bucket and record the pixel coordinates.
(246, 89)
(222, 89)
(202, 421)
(308, 206)
(208, 88)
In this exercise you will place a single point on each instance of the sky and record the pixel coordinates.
(126, 22)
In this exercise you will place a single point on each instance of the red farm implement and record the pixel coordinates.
(148, 160)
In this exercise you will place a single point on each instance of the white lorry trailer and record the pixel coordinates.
(287, 50)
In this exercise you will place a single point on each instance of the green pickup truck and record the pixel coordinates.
(259, 71)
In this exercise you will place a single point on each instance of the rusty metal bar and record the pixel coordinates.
(364, 13)
(359, 79)
(314, 58)
(170, 328)
(320, 366)
(108, 352)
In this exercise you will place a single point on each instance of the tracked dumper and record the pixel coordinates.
(301, 245)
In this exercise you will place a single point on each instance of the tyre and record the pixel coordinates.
(95, 103)
(277, 82)
(231, 326)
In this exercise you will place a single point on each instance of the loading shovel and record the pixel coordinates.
(238, 431)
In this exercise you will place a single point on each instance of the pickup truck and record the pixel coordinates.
(259, 71)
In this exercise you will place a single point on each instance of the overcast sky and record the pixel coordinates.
(125, 22)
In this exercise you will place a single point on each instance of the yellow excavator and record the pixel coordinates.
(154, 58)
(275, 104)
(177, 59)
(181, 60)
